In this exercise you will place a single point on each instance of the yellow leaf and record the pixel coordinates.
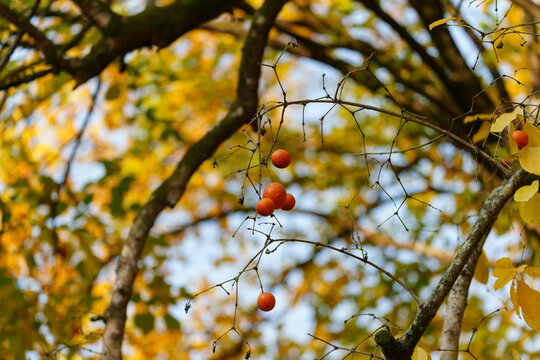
(529, 158)
(532, 271)
(481, 273)
(529, 301)
(505, 271)
(525, 193)
(199, 345)
(521, 268)
(513, 298)
(529, 210)
(471, 118)
(503, 120)
(513, 145)
(422, 351)
(420, 354)
(515, 354)
(441, 22)
(534, 135)
(482, 133)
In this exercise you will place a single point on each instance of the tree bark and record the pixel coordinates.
(456, 305)
(122, 34)
(489, 212)
(170, 191)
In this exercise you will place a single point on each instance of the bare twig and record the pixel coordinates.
(18, 37)
(337, 347)
(80, 134)
(362, 259)
(170, 191)
(486, 218)
(408, 117)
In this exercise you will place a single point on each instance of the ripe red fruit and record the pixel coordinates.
(289, 203)
(277, 193)
(281, 158)
(521, 138)
(265, 207)
(266, 301)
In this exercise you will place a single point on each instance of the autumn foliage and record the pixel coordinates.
(149, 151)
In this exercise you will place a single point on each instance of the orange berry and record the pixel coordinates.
(266, 301)
(277, 193)
(281, 158)
(521, 138)
(289, 203)
(265, 207)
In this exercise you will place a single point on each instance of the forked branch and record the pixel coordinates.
(489, 212)
(170, 191)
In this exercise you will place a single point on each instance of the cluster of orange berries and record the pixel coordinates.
(274, 197)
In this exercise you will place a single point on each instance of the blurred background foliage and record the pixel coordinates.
(63, 225)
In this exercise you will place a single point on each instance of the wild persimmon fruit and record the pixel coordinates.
(277, 193)
(265, 207)
(289, 203)
(281, 158)
(266, 301)
(521, 138)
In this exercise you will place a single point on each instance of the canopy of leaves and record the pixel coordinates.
(101, 100)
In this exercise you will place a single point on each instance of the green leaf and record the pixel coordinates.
(145, 322)
(171, 322)
(118, 193)
(112, 92)
(186, 294)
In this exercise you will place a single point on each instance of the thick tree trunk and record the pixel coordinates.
(456, 303)
(489, 212)
(170, 191)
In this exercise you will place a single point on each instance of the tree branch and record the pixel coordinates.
(170, 191)
(530, 7)
(138, 31)
(42, 43)
(493, 205)
(80, 134)
(456, 305)
(383, 59)
(99, 13)
(492, 66)
(18, 38)
(26, 79)
(391, 348)
(124, 34)
(413, 118)
(405, 35)
(465, 83)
